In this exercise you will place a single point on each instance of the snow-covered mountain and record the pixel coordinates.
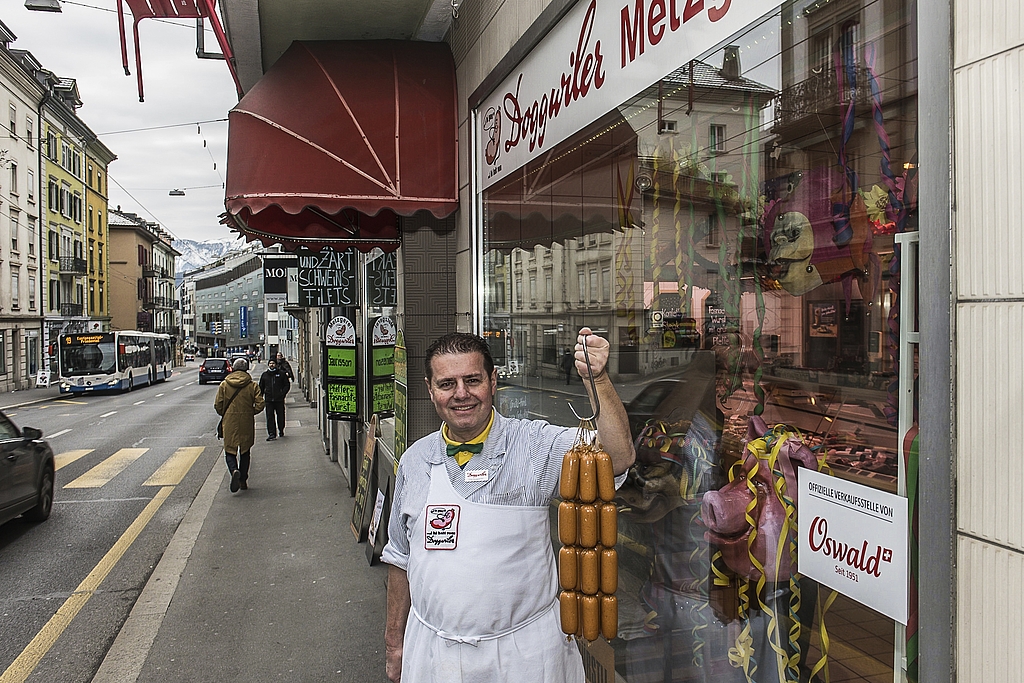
(195, 254)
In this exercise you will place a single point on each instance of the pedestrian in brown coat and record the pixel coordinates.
(238, 401)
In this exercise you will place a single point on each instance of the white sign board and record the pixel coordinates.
(340, 332)
(599, 54)
(854, 539)
(384, 332)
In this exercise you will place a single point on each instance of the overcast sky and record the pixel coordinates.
(82, 43)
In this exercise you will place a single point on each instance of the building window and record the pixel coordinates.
(90, 219)
(14, 119)
(99, 183)
(65, 155)
(14, 179)
(99, 263)
(533, 289)
(15, 229)
(3, 352)
(76, 207)
(15, 289)
(716, 139)
(31, 292)
(101, 297)
(581, 285)
(51, 145)
(92, 248)
(606, 284)
(99, 222)
(593, 286)
(713, 230)
(54, 295)
(31, 189)
(31, 236)
(88, 175)
(547, 288)
(28, 133)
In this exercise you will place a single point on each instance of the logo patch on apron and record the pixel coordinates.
(441, 530)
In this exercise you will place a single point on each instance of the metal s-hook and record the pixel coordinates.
(593, 389)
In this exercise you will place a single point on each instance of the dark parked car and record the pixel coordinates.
(26, 473)
(213, 370)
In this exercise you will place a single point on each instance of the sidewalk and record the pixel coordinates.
(24, 397)
(274, 587)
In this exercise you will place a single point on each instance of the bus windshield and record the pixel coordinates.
(88, 359)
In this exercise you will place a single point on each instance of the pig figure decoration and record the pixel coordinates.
(766, 474)
(799, 228)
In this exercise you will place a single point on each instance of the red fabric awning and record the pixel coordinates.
(338, 137)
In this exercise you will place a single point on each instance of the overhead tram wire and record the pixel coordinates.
(162, 224)
(169, 125)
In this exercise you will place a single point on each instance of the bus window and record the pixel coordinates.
(87, 359)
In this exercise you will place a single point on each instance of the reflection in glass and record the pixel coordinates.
(730, 231)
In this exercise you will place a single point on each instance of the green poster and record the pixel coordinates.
(341, 399)
(383, 361)
(341, 362)
(383, 397)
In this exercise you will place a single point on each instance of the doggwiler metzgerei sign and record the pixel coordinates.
(327, 279)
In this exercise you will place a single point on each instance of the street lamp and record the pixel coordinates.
(43, 5)
(176, 193)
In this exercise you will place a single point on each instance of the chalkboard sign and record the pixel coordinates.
(367, 482)
(327, 279)
(382, 281)
(341, 399)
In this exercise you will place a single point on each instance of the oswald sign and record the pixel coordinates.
(853, 539)
(601, 52)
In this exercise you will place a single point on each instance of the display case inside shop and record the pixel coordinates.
(732, 231)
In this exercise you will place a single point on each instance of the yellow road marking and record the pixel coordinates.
(175, 467)
(80, 403)
(107, 470)
(29, 659)
(68, 457)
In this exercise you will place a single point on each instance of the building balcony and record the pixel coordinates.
(817, 96)
(72, 265)
(154, 272)
(155, 302)
(72, 310)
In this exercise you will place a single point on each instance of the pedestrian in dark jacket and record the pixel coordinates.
(285, 367)
(275, 385)
(238, 400)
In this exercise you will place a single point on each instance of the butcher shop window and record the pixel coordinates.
(745, 269)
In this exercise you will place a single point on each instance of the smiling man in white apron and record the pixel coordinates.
(472, 587)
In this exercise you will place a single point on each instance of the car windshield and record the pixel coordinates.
(88, 359)
(215, 363)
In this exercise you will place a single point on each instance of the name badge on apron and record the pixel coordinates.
(441, 530)
(476, 475)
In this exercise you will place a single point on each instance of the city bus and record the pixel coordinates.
(113, 361)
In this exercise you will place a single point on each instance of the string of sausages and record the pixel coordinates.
(588, 565)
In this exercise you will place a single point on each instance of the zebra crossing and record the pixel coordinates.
(169, 473)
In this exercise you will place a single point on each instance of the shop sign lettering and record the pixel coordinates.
(855, 541)
(327, 279)
(571, 70)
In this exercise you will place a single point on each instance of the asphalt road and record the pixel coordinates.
(129, 465)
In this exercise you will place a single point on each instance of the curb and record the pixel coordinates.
(32, 402)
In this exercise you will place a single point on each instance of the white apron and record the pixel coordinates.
(484, 595)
